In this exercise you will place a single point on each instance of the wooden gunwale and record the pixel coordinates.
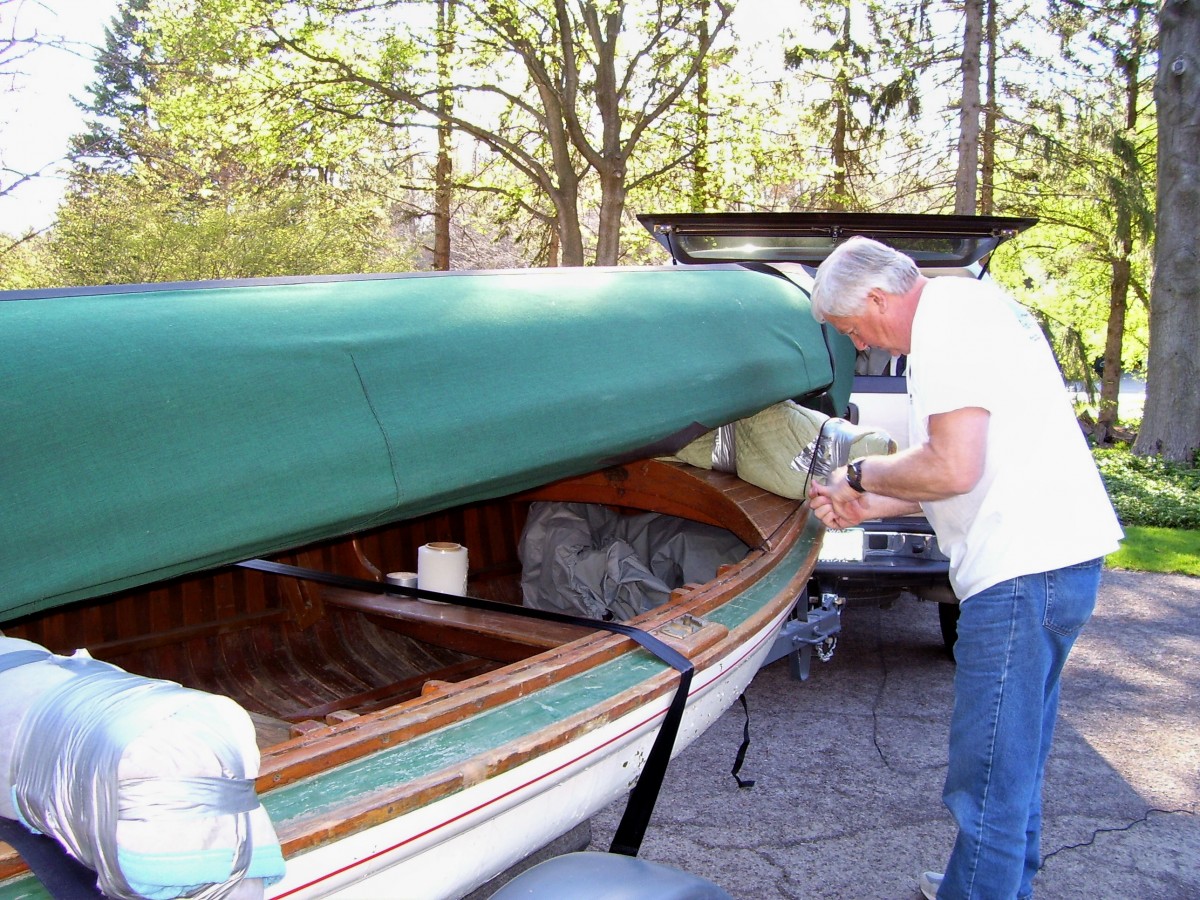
(715, 498)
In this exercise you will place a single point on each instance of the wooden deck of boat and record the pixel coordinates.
(673, 488)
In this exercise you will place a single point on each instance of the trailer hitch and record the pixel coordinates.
(809, 631)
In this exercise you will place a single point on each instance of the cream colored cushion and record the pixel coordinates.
(771, 448)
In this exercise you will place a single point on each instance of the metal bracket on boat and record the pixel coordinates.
(632, 827)
(683, 627)
(815, 633)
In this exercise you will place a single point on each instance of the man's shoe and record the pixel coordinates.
(930, 882)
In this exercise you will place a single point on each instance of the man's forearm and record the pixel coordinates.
(880, 507)
(909, 477)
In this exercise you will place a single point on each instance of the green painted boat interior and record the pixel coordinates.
(25, 887)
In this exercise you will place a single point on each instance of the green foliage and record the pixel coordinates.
(123, 71)
(26, 264)
(201, 95)
(1150, 491)
(124, 229)
(863, 82)
(1061, 272)
(573, 99)
(1082, 159)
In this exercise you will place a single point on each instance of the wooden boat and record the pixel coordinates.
(155, 437)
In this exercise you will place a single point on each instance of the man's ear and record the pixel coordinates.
(877, 297)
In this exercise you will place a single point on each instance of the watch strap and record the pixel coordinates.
(854, 476)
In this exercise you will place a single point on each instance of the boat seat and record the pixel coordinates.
(492, 635)
(589, 875)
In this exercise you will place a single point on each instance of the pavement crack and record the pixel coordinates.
(879, 702)
(1117, 829)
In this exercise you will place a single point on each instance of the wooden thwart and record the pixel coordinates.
(492, 635)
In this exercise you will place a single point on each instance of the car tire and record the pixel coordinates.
(948, 618)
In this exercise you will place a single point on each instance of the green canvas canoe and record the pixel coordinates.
(151, 431)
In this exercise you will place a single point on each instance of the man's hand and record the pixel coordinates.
(837, 504)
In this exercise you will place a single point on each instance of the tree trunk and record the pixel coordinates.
(1171, 421)
(841, 128)
(987, 149)
(605, 29)
(444, 169)
(612, 207)
(570, 232)
(552, 246)
(701, 189)
(1110, 379)
(1123, 243)
(967, 180)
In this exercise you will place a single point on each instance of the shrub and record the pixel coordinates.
(1148, 490)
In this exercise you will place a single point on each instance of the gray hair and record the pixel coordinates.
(852, 270)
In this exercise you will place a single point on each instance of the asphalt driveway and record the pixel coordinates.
(849, 765)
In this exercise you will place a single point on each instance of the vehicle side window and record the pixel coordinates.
(874, 361)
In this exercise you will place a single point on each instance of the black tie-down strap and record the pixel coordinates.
(740, 759)
(63, 876)
(632, 828)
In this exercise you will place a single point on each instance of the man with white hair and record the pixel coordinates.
(998, 464)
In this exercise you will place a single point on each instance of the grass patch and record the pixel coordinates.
(1147, 548)
(1158, 503)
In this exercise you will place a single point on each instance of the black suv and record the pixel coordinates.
(887, 556)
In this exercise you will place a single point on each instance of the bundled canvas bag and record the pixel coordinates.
(777, 449)
(148, 783)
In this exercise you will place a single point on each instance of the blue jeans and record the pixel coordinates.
(1013, 640)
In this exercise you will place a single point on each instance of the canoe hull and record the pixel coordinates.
(447, 848)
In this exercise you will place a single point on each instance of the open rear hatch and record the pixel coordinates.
(934, 241)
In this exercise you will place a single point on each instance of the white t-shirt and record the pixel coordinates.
(1040, 504)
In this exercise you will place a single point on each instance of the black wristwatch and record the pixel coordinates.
(854, 476)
